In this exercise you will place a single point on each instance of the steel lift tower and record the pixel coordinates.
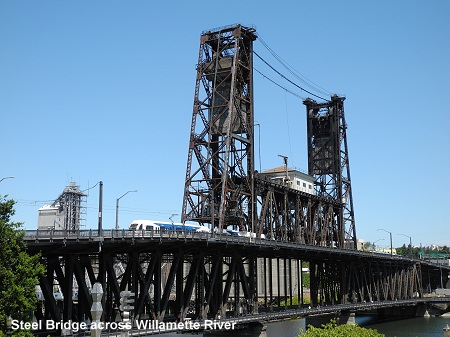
(328, 162)
(219, 176)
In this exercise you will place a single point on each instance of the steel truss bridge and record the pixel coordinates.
(180, 275)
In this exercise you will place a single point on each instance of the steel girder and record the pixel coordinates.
(218, 185)
(207, 279)
(180, 284)
(359, 281)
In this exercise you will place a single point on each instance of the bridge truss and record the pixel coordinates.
(222, 188)
(179, 275)
(212, 275)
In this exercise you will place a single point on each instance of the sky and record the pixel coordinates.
(103, 91)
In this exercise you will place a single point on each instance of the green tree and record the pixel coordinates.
(19, 272)
(333, 330)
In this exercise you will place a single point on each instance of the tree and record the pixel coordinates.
(19, 271)
(368, 246)
(333, 330)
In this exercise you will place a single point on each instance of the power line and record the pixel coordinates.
(297, 74)
(284, 77)
(279, 85)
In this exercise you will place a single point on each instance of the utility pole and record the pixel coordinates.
(100, 208)
(285, 159)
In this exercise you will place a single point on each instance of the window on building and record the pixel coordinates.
(304, 184)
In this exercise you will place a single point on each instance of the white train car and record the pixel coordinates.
(235, 232)
(155, 225)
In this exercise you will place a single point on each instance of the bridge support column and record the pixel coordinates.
(347, 317)
(251, 330)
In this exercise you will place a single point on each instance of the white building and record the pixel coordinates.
(293, 178)
(51, 217)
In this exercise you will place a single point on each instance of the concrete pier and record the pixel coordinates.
(347, 317)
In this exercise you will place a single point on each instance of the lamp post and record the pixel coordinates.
(390, 236)
(410, 244)
(6, 178)
(117, 207)
(374, 243)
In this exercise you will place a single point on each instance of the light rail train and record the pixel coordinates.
(154, 225)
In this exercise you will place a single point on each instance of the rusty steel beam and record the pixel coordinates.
(219, 175)
(328, 162)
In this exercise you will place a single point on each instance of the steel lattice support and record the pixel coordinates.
(334, 281)
(289, 215)
(179, 284)
(328, 162)
(219, 175)
(175, 277)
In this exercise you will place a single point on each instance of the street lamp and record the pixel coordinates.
(390, 236)
(374, 243)
(6, 178)
(410, 244)
(117, 207)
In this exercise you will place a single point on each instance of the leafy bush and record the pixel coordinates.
(333, 330)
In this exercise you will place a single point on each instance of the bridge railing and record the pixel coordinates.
(110, 234)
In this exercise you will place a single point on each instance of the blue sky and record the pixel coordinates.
(103, 90)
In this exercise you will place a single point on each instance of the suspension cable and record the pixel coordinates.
(284, 77)
(297, 74)
(279, 85)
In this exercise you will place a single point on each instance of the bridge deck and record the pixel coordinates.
(62, 241)
(178, 275)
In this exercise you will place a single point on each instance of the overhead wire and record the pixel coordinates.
(277, 84)
(314, 86)
(287, 79)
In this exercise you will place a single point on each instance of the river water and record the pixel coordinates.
(413, 327)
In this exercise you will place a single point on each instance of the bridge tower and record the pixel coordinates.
(328, 162)
(219, 175)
